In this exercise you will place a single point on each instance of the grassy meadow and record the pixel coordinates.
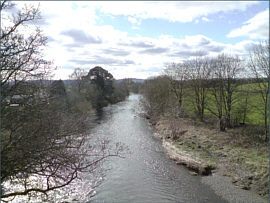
(247, 104)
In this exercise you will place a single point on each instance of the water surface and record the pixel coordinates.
(145, 175)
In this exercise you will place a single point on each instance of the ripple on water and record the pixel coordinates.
(145, 175)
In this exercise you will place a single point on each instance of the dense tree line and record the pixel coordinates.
(222, 86)
(96, 89)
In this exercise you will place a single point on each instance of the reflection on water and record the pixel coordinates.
(145, 175)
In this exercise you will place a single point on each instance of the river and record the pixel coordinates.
(146, 174)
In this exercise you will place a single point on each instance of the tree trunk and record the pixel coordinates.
(265, 122)
(222, 125)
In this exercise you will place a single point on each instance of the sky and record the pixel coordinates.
(138, 39)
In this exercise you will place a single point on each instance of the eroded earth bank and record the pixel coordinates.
(233, 164)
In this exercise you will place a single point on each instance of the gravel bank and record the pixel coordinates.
(224, 188)
(240, 170)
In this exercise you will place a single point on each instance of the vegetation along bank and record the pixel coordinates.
(213, 113)
(45, 143)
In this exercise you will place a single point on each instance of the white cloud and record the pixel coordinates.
(205, 19)
(84, 43)
(255, 28)
(117, 48)
(190, 45)
(134, 20)
(180, 11)
(146, 54)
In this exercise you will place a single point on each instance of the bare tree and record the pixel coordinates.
(120, 91)
(176, 74)
(41, 138)
(156, 99)
(48, 142)
(258, 64)
(77, 76)
(243, 107)
(226, 69)
(21, 57)
(199, 71)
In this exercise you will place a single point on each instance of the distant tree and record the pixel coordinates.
(176, 74)
(95, 96)
(135, 87)
(97, 70)
(77, 76)
(156, 100)
(258, 64)
(100, 82)
(104, 88)
(58, 95)
(243, 107)
(99, 76)
(109, 89)
(58, 89)
(120, 91)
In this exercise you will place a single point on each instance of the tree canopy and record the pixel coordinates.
(58, 88)
(99, 71)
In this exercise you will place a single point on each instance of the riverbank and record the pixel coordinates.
(232, 157)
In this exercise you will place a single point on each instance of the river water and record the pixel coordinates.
(146, 174)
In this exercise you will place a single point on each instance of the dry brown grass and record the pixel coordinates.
(241, 150)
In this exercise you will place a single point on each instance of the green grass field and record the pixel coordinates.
(245, 94)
